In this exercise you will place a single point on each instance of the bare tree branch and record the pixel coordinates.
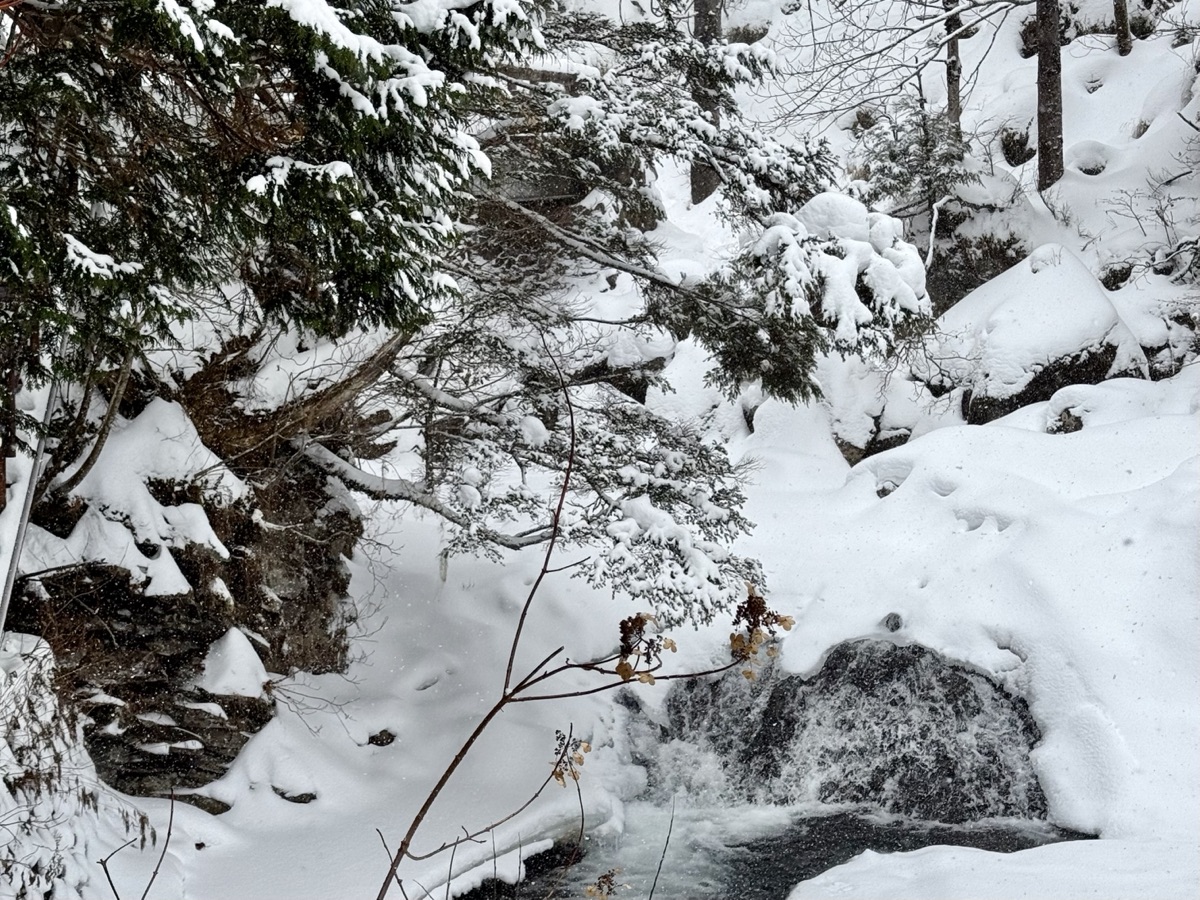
(384, 487)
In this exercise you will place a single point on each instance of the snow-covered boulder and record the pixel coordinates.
(233, 667)
(1044, 324)
(872, 409)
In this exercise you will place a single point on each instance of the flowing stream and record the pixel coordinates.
(761, 783)
(754, 853)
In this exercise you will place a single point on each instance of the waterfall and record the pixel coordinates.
(896, 728)
(762, 783)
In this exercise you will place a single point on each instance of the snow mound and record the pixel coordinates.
(124, 525)
(232, 667)
(1125, 399)
(1115, 870)
(1046, 310)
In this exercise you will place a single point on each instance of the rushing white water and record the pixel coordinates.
(756, 785)
(753, 852)
(894, 727)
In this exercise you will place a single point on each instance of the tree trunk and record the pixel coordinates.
(8, 427)
(706, 29)
(1049, 85)
(10, 383)
(1121, 18)
(953, 71)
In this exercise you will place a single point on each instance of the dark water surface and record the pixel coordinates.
(748, 854)
(770, 867)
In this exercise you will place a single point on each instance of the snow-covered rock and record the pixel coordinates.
(233, 667)
(1044, 324)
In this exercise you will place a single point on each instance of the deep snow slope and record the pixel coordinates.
(1064, 564)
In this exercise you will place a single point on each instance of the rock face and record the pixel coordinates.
(1044, 324)
(131, 639)
(894, 727)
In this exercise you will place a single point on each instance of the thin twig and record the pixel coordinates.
(528, 679)
(612, 685)
(166, 844)
(570, 565)
(388, 851)
(496, 824)
(520, 862)
(666, 844)
(555, 521)
(495, 872)
(450, 869)
(104, 865)
(576, 854)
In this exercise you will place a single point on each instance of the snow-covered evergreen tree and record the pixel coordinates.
(303, 168)
(153, 154)
(518, 382)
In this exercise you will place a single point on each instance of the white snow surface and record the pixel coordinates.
(1065, 565)
(160, 444)
(1045, 308)
(1100, 870)
(232, 667)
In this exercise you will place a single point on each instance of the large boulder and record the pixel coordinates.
(1044, 324)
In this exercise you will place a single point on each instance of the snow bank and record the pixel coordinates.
(159, 445)
(1106, 870)
(1046, 309)
(1065, 564)
(233, 667)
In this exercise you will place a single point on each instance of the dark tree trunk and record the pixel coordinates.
(707, 29)
(1049, 91)
(1121, 18)
(953, 71)
(10, 382)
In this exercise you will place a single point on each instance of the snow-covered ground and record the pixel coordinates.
(1067, 565)
(1063, 564)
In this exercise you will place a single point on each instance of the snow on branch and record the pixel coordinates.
(383, 487)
